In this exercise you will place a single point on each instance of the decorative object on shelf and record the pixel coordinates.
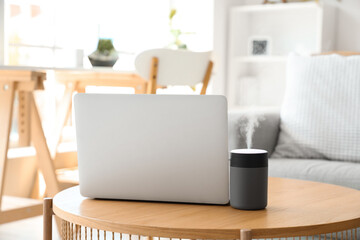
(275, 1)
(284, 29)
(259, 46)
(105, 54)
(289, 1)
(176, 33)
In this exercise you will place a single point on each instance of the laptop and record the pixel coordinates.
(169, 148)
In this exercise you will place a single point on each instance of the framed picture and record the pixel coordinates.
(259, 46)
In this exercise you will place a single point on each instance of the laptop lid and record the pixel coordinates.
(153, 147)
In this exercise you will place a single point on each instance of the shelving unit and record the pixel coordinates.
(259, 80)
(257, 59)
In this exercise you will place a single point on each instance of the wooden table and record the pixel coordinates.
(76, 80)
(100, 76)
(296, 208)
(24, 80)
(23, 83)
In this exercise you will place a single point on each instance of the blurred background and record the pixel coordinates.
(63, 33)
(250, 41)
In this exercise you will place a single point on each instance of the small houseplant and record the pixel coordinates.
(176, 33)
(105, 55)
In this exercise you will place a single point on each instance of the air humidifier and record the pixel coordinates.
(248, 179)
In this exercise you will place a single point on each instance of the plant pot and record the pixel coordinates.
(95, 62)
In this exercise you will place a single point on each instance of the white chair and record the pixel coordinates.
(166, 67)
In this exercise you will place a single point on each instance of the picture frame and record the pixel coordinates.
(259, 46)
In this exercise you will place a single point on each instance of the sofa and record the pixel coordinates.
(265, 137)
(315, 135)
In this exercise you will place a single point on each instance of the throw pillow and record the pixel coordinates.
(320, 116)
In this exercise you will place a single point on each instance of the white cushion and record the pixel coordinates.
(320, 116)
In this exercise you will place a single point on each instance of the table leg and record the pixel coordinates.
(47, 219)
(81, 89)
(24, 118)
(62, 116)
(6, 107)
(46, 164)
(245, 234)
(141, 89)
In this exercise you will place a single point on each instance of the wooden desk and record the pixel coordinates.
(23, 82)
(296, 208)
(100, 77)
(76, 80)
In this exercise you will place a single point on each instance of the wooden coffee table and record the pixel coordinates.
(296, 208)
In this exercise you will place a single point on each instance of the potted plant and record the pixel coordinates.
(105, 55)
(176, 33)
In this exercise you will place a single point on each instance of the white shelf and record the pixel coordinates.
(276, 7)
(287, 27)
(254, 109)
(260, 59)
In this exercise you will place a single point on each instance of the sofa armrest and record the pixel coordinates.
(265, 135)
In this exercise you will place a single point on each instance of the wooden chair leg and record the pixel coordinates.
(206, 78)
(152, 84)
(6, 108)
(47, 219)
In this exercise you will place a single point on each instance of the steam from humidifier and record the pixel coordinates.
(249, 127)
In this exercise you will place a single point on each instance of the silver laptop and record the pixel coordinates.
(153, 147)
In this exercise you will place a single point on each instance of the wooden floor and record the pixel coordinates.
(29, 229)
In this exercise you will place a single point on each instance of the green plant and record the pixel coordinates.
(176, 33)
(105, 46)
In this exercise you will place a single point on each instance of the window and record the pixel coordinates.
(62, 33)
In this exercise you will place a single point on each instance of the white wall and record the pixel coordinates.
(221, 22)
(348, 25)
(2, 26)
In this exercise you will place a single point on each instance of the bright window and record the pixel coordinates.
(62, 33)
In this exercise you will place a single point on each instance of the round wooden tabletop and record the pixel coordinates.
(295, 208)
